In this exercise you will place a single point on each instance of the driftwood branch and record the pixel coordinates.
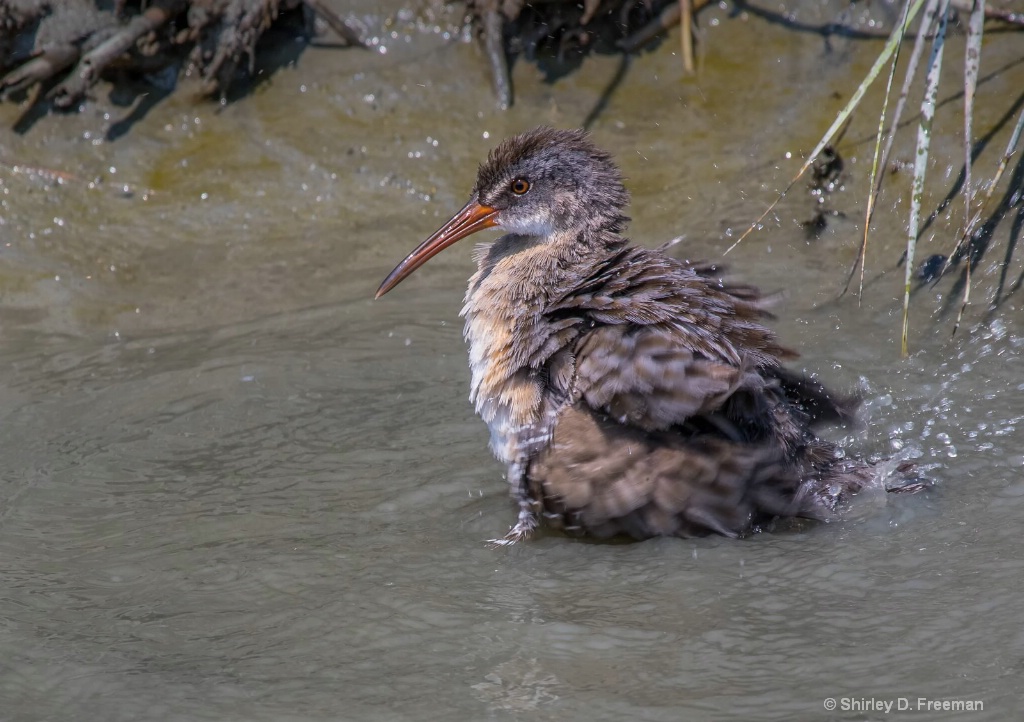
(494, 47)
(92, 64)
(668, 18)
(44, 66)
(238, 34)
(345, 31)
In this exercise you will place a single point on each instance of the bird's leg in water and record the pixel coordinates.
(527, 521)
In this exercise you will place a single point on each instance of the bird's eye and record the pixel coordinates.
(520, 186)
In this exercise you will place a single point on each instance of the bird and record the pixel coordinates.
(628, 392)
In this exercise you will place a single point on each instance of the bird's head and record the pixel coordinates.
(542, 184)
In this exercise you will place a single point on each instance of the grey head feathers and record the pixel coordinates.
(573, 186)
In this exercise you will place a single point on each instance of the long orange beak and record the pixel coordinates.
(472, 218)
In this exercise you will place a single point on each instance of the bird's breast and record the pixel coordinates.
(506, 392)
(511, 343)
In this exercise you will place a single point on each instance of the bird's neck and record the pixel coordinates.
(506, 328)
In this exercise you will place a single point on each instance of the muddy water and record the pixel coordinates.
(234, 488)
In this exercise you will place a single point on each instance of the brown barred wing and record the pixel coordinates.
(602, 478)
(649, 377)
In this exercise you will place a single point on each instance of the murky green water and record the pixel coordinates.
(234, 488)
